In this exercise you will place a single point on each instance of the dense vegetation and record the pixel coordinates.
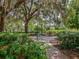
(20, 19)
(19, 46)
(69, 40)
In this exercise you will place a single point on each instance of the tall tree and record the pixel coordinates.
(7, 6)
(44, 8)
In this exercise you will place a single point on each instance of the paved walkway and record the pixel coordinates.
(55, 53)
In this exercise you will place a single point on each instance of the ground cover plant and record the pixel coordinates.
(19, 46)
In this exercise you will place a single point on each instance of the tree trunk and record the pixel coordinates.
(26, 27)
(26, 24)
(21, 57)
(1, 23)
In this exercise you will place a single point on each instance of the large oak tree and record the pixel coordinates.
(36, 9)
(7, 6)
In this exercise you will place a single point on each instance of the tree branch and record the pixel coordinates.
(18, 3)
(32, 13)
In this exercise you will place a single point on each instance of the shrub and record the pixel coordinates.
(18, 45)
(53, 32)
(69, 39)
(7, 38)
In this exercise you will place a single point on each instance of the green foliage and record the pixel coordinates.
(7, 38)
(73, 15)
(73, 22)
(53, 32)
(36, 51)
(69, 39)
(39, 29)
(18, 45)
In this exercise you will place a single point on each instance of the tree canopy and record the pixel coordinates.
(16, 14)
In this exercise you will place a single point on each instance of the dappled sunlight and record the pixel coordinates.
(39, 29)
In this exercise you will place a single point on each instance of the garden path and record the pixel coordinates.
(53, 51)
